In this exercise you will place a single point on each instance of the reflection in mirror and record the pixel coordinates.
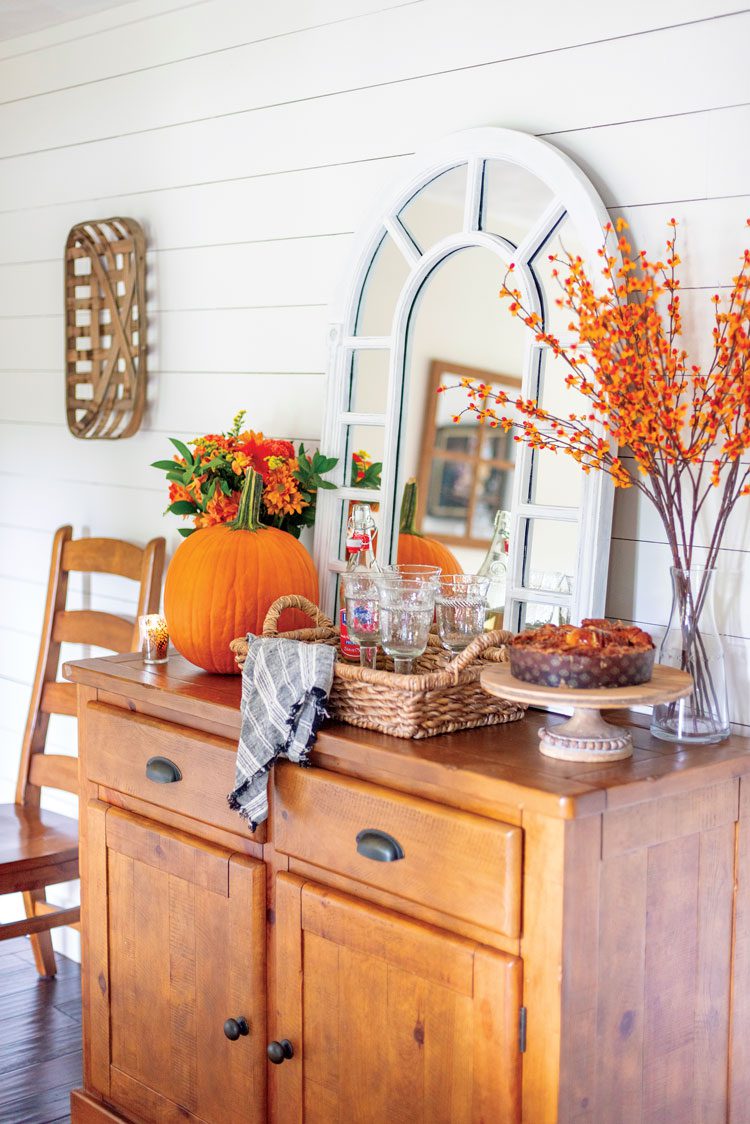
(564, 239)
(550, 553)
(388, 271)
(437, 210)
(513, 200)
(369, 381)
(556, 479)
(532, 615)
(364, 446)
(443, 239)
(465, 470)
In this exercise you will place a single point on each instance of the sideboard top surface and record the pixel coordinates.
(497, 766)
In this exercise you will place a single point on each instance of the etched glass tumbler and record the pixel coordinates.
(461, 609)
(406, 612)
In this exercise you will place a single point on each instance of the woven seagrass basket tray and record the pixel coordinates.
(443, 695)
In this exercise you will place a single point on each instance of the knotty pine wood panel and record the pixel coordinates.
(400, 1007)
(168, 1048)
(655, 922)
(454, 862)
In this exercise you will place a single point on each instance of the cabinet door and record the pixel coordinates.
(390, 1019)
(184, 951)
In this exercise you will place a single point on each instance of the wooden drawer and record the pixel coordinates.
(119, 744)
(454, 862)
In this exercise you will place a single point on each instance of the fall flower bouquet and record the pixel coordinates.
(206, 477)
(652, 420)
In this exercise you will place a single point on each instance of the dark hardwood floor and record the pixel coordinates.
(40, 1037)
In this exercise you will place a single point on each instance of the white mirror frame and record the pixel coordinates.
(574, 196)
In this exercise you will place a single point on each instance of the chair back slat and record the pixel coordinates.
(103, 556)
(59, 698)
(85, 626)
(54, 770)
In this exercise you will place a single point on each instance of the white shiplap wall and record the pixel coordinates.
(249, 140)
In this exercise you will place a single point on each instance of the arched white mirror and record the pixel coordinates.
(420, 308)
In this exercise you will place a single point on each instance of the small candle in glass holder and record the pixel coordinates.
(154, 638)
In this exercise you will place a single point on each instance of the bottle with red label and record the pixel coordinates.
(360, 555)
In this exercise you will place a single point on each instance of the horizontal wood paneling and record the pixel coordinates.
(249, 141)
(454, 52)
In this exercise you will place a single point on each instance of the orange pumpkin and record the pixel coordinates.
(416, 548)
(222, 580)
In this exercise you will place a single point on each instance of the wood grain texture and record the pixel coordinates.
(403, 1021)
(170, 1055)
(665, 683)
(460, 864)
(482, 770)
(739, 1058)
(122, 744)
(40, 849)
(541, 952)
(105, 328)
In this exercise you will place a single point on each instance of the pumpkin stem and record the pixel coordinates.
(248, 514)
(409, 509)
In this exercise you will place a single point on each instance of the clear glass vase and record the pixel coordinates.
(692, 643)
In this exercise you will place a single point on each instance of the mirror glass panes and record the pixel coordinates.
(513, 200)
(550, 554)
(532, 615)
(385, 279)
(365, 443)
(437, 210)
(369, 381)
(465, 470)
(564, 240)
(556, 479)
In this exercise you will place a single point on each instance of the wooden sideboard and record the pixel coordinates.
(557, 942)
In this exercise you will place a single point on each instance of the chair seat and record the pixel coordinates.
(36, 847)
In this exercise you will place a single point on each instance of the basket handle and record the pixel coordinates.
(479, 644)
(294, 601)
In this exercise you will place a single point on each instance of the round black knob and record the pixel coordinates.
(280, 1051)
(233, 1028)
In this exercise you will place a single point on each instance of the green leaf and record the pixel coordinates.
(176, 477)
(211, 490)
(326, 484)
(165, 466)
(183, 507)
(185, 531)
(183, 450)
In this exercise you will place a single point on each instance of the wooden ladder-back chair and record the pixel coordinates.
(40, 848)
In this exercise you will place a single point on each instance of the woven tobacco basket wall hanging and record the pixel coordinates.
(105, 328)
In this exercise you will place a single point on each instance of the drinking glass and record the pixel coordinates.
(363, 614)
(406, 611)
(415, 571)
(461, 603)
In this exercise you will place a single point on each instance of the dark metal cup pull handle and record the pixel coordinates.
(162, 770)
(379, 846)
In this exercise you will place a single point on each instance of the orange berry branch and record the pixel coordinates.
(687, 430)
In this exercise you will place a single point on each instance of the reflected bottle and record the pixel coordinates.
(360, 555)
(495, 567)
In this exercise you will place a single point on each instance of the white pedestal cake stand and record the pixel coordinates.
(586, 736)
